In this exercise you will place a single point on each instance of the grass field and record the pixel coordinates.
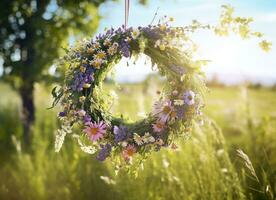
(206, 166)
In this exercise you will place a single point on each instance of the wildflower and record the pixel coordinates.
(82, 78)
(162, 47)
(82, 98)
(160, 44)
(157, 43)
(128, 152)
(62, 114)
(158, 126)
(147, 138)
(163, 27)
(100, 55)
(107, 42)
(175, 92)
(189, 97)
(90, 50)
(124, 47)
(85, 62)
(86, 85)
(97, 63)
(97, 45)
(120, 133)
(81, 113)
(104, 152)
(138, 139)
(163, 110)
(111, 51)
(82, 69)
(171, 19)
(95, 130)
(86, 118)
(124, 144)
(135, 33)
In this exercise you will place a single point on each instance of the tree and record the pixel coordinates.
(31, 34)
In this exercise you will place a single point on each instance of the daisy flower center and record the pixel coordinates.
(190, 97)
(159, 125)
(130, 152)
(94, 131)
(167, 109)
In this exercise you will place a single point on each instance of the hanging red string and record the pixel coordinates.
(127, 2)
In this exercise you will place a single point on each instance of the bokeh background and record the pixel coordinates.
(241, 105)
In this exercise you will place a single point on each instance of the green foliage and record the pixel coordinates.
(33, 32)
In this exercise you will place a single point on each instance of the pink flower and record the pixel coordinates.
(164, 110)
(128, 152)
(158, 126)
(95, 130)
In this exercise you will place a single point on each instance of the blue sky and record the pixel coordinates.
(233, 59)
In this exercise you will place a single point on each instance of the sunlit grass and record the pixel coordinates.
(200, 169)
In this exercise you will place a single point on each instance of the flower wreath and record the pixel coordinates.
(85, 104)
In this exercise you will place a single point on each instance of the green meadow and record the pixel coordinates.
(206, 165)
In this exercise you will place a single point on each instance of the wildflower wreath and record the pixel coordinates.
(86, 106)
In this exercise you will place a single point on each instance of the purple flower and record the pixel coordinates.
(120, 133)
(151, 33)
(124, 48)
(189, 97)
(86, 118)
(104, 152)
(82, 78)
(62, 114)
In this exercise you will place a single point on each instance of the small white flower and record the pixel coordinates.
(148, 138)
(81, 113)
(151, 139)
(135, 33)
(107, 42)
(157, 43)
(138, 139)
(124, 144)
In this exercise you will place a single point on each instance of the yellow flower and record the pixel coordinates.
(97, 63)
(97, 45)
(90, 50)
(85, 62)
(86, 85)
(101, 54)
(265, 45)
(171, 19)
(82, 98)
(162, 47)
(163, 27)
(111, 51)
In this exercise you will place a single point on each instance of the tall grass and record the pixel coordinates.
(201, 168)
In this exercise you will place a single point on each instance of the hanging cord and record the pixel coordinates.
(127, 4)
